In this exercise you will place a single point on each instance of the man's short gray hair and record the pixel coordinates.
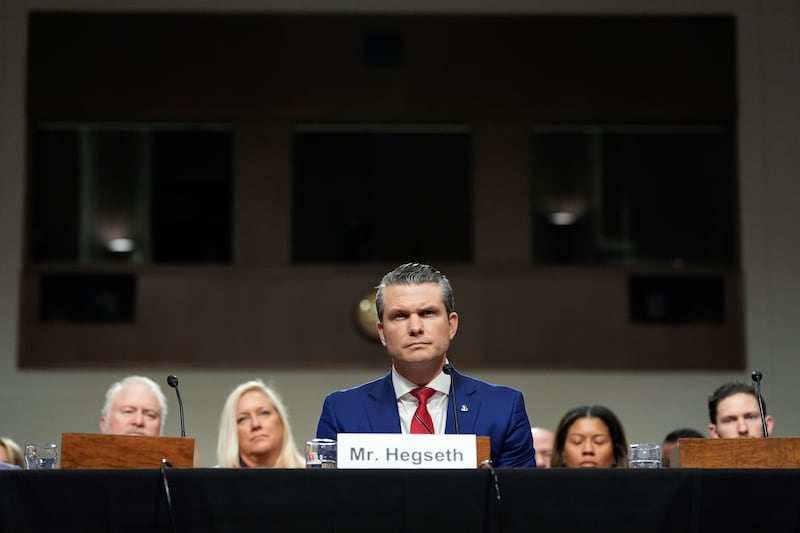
(413, 273)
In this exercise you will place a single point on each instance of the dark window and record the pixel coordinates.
(55, 196)
(87, 298)
(363, 196)
(131, 193)
(676, 299)
(634, 196)
(192, 197)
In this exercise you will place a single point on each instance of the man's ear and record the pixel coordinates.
(712, 431)
(379, 325)
(453, 321)
(770, 424)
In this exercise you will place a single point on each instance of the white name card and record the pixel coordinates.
(395, 450)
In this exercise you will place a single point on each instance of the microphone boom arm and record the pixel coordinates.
(448, 369)
(180, 408)
(756, 377)
(172, 381)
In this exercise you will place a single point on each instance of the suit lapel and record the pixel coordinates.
(467, 404)
(382, 407)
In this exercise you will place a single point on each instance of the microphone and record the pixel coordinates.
(756, 377)
(449, 369)
(172, 381)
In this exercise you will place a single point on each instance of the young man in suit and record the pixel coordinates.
(416, 322)
(734, 413)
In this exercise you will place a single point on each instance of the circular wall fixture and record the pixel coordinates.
(365, 315)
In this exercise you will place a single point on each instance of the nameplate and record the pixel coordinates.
(395, 450)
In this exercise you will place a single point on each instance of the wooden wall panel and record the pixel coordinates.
(545, 318)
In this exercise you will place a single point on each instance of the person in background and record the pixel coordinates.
(416, 322)
(254, 430)
(672, 439)
(134, 405)
(543, 444)
(590, 436)
(733, 412)
(11, 453)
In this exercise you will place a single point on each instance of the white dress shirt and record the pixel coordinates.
(407, 403)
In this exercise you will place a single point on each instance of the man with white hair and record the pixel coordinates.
(134, 405)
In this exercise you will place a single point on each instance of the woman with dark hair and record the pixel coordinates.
(590, 436)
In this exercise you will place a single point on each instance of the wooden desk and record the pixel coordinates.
(771, 452)
(91, 450)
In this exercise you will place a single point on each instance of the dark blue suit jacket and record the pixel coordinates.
(493, 410)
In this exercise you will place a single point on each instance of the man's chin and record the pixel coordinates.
(420, 352)
(418, 360)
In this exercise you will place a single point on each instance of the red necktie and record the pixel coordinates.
(422, 422)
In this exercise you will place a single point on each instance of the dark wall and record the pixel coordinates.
(316, 67)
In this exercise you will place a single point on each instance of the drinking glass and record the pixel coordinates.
(321, 453)
(644, 455)
(41, 456)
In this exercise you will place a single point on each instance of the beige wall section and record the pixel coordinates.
(770, 190)
(38, 405)
(12, 156)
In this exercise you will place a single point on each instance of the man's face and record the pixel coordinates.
(543, 441)
(738, 417)
(416, 328)
(135, 411)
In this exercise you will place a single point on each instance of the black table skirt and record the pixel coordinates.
(558, 500)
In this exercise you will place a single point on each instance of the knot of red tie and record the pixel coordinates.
(422, 421)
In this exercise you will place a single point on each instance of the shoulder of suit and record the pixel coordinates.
(369, 385)
(486, 386)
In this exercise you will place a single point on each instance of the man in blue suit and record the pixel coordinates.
(416, 322)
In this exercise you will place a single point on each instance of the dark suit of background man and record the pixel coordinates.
(416, 322)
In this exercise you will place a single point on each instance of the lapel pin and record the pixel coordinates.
(464, 409)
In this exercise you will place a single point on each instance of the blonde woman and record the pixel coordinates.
(11, 453)
(254, 430)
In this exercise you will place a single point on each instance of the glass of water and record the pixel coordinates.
(41, 456)
(644, 455)
(321, 453)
